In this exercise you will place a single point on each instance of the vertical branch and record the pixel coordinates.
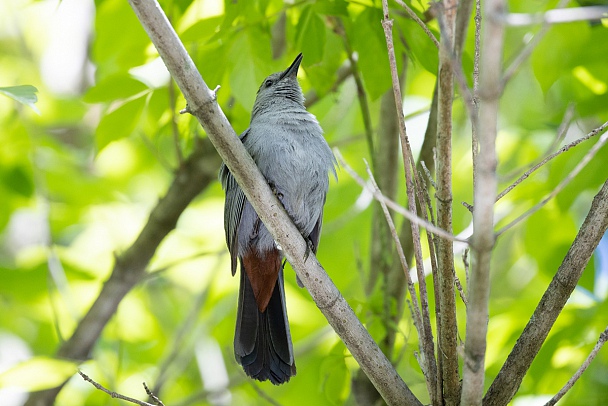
(425, 332)
(483, 215)
(383, 264)
(383, 255)
(445, 258)
(475, 123)
(174, 128)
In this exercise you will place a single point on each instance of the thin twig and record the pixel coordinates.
(463, 296)
(563, 149)
(598, 346)
(117, 395)
(394, 206)
(435, 385)
(465, 261)
(418, 21)
(261, 393)
(562, 130)
(174, 128)
(447, 46)
(415, 310)
(410, 181)
(586, 159)
(156, 400)
(589, 13)
(475, 122)
(427, 172)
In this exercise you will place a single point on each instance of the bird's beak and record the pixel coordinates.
(293, 68)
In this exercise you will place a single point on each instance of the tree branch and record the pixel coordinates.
(116, 395)
(551, 304)
(563, 149)
(579, 167)
(555, 16)
(429, 362)
(202, 104)
(418, 21)
(447, 339)
(598, 346)
(430, 227)
(483, 215)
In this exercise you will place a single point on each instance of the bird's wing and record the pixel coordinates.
(233, 210)
(314, 238)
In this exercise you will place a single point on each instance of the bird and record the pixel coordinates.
(287, 144)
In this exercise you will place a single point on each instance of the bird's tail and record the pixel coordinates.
(262, 342)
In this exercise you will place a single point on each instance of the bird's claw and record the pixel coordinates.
(309, 248)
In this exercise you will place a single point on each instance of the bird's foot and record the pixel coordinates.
(309, 248)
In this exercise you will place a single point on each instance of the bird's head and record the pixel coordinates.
(279, 89)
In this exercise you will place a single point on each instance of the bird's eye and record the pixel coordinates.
(268, 83)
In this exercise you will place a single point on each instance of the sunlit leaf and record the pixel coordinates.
(368, 40)
(114, 87)
(248, 52)
(310, 36)
(119, 123)
(550, 62)
(25, 94)
(37, 374)
(332, 7)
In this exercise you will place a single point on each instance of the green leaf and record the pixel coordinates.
(120, 123)
(37, 374)
(332, 7)
(421, 46)
(323, 76)
(368, 40)
(25, 94)
(336, 382)
(202, 30)
(558, 52)
(114, 87)
(310, 36)
(18, 180)
(120, 40)
(248, 56)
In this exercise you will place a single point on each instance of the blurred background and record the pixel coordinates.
(81, 169)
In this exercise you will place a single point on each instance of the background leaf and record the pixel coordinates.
(25, 94)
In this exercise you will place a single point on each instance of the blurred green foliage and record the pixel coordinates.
(78, 179)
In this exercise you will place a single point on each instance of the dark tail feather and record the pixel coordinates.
(262, 342)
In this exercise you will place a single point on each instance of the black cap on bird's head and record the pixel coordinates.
(280, 89)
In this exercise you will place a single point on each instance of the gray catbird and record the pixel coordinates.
(287, 144)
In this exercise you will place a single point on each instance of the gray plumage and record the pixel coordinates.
(287, 144)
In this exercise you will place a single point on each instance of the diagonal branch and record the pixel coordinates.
(598, 346)
(579, 167)
(563, 149)
(202, 104)
(551, 304)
